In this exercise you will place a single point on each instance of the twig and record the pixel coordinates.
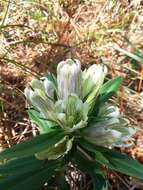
(3, 21)
(2, 99)
(20, 65)
(85, 154)
(14, 25)
(121, 180)
(38, 42)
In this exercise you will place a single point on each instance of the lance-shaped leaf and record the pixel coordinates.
(59, 149)
(21, 165)
(43, 125)
(115, 160)
(30, 147)
(109, 88)
(106, 92)
(31, 180)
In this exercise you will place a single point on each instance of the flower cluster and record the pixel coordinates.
(70, 102)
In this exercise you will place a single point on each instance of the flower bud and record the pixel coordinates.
(37, 84)
(27, 94)
(48, 87)
(69, 78)
(93, 79)
(115, 112)
(45, 107)
(44, 87)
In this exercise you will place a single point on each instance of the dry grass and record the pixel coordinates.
(36, 34)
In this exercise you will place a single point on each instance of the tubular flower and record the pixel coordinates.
(72, 113)
(111, 130)
(93, 79)
(37, 96)
(69, 78)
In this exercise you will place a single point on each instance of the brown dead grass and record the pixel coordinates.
(34, 37)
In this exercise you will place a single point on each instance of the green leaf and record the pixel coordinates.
(61, 148)
(53, 79)
(115, 160)
(99, 182)
(106, 92)
(43, 125)
(111, 86)
(21, 165)
(93, 169)
(60, 180)
(31, 180)
(129, 54)
(32, 146)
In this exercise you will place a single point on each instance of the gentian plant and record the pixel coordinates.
(77, 125)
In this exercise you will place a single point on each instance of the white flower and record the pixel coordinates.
(48, 87)
(69, 78)
(93, 79)
(115, 112)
